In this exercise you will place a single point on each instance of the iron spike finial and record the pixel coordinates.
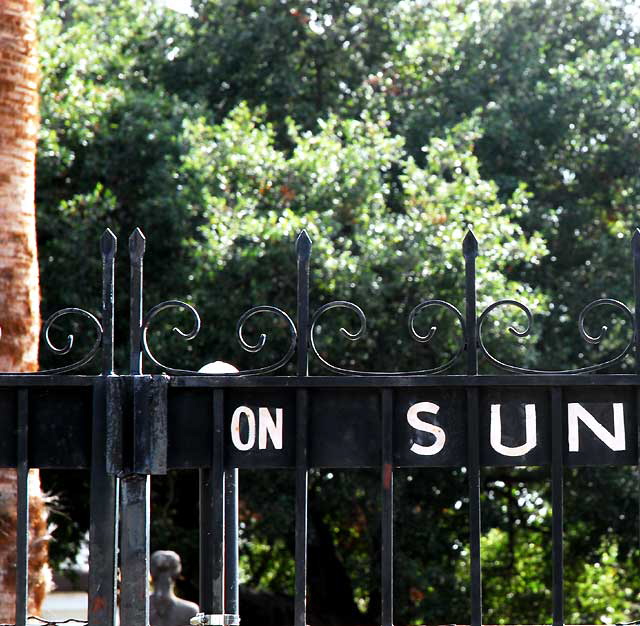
(635, 243)
(470, 245)
(108, 244)
(303, 244)
(137, 242)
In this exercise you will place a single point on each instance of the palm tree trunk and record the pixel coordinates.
(19, 288)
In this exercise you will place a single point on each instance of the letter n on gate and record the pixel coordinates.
(615, 440)
(601, 433)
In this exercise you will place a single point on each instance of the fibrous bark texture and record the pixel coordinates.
(19, 291)
(39, 572)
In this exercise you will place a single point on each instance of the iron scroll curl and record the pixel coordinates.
(291, 328)
(586, 336)
(240, 334)
(68, 345)
(360, 332)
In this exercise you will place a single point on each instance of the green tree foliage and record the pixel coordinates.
(302, 60)
(554, 85)
(385, 129)
(337, 183)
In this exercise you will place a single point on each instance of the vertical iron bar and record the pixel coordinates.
(557, 506)
(302, 477)
(470, 252)
(103, 528)
(473, 468)
(212, 509)
(108, 247)
(638, 453)
(205, 540)
(635, 248)
(134, 551)
(303, 251)
(135, 488)
(22, 557)
(103, 525)
(137, 244)
(387, 507)
(231, 542)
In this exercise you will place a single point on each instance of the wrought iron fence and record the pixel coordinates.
(147, 424)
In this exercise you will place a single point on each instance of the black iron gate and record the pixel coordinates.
(125, 428)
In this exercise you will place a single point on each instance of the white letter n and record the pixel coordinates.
(615, 441)
(266, 426)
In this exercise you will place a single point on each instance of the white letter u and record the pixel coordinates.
(530, 429)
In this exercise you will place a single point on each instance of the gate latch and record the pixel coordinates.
(221, 619)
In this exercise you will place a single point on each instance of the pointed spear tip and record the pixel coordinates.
(137, 233)
(303, 242)
(108, 244)
(470, 244)
(635, 242)
(137, 243)
(303, 236)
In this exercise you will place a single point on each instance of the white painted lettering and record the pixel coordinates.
(418, 424)
(235, 428)
(495, 434)
(615, 441)
(266, 426)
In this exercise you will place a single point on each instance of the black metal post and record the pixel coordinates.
(135, 516)
(108, 248)
(232, 584)
(557, 506)
(475, 523)
(635, 249)
(22, 556)
(470, 252)
(637, 398)
(134, 555)
(387, 507)
(103, 531)
(137, 245)
(303, 250)
(212, 523)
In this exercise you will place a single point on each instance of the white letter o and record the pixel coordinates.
(235, 428)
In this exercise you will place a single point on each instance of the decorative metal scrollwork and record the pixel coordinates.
(240, 333)
(66, 348)
(594, 340)
(192, 334)
(350, 306)
(291, 327)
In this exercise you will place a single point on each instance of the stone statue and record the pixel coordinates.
(165, 608)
